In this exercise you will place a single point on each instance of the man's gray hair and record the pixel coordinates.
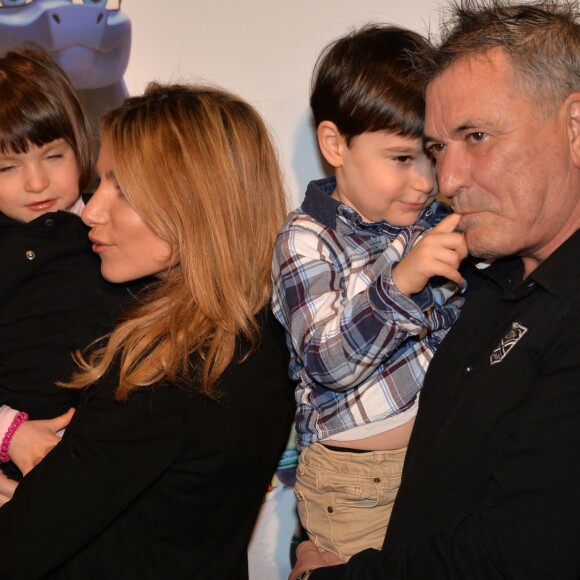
(541, 38)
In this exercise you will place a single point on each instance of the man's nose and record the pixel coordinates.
(424, 176)
(453, 171)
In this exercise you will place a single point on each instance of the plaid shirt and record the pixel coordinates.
(359, 348)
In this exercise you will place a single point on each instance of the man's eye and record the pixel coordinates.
(435, 149)
(476, 137)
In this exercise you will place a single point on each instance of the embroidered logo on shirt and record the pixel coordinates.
(511, 338)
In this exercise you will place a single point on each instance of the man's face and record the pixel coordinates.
(506, 166)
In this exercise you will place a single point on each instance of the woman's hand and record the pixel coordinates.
(7, 487)
(34, 439)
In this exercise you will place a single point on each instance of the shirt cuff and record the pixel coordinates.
(7, 415)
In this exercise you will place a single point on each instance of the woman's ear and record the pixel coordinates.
(574, 127)
(331, 143)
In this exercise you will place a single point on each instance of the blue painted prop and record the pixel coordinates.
(90, 39)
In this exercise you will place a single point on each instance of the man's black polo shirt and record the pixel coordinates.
(491, 485)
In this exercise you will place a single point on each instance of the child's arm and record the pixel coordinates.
(343, 325)
(438, 253)
(7, 415)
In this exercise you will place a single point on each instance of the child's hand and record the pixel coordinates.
(438, 253)
(34, 439)
(7, 488)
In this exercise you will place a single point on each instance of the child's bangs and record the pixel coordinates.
(30, 124)
(403, 117)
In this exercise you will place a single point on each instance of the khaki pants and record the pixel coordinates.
(345, 499)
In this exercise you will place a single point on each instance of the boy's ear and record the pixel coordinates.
(331, 143)
(574, 127)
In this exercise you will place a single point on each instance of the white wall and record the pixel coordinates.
(264, 50)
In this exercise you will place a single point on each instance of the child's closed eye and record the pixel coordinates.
(404, 159)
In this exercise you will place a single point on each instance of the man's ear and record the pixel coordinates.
(331, 143)
(574, 127)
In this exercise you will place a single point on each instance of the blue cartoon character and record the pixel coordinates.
(90, 39)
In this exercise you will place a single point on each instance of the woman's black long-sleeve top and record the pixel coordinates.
(166, 485)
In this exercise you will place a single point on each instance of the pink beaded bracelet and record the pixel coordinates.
(18, 420)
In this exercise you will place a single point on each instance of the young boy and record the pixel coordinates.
(364, 293)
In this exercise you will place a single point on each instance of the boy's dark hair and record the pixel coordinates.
(363, 82)
(39, 105)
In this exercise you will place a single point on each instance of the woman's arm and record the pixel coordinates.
(110, 453)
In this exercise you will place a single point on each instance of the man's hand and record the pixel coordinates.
(34, 439)
(438, 253)
(7, 487)
(309, 558)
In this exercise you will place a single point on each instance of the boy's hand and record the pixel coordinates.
(438, 253)
(34, 439)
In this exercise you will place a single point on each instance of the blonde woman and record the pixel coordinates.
(187, 405)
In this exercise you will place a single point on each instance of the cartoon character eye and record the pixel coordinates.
(14, 3)
(108, 4)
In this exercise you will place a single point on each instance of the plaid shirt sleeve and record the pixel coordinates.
(343, 322)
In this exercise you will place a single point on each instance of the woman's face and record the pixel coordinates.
(129, 249)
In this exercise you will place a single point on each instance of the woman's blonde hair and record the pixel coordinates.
(198, 166)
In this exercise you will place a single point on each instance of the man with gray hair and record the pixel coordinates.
(491, 484)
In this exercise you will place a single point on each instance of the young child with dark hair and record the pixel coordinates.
(366, 284)
(53, 299)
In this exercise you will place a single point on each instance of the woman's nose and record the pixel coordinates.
(94, 213)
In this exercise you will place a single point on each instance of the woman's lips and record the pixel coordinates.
(98, 246)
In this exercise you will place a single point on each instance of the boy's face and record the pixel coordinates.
(384, 176)
(42, 180)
